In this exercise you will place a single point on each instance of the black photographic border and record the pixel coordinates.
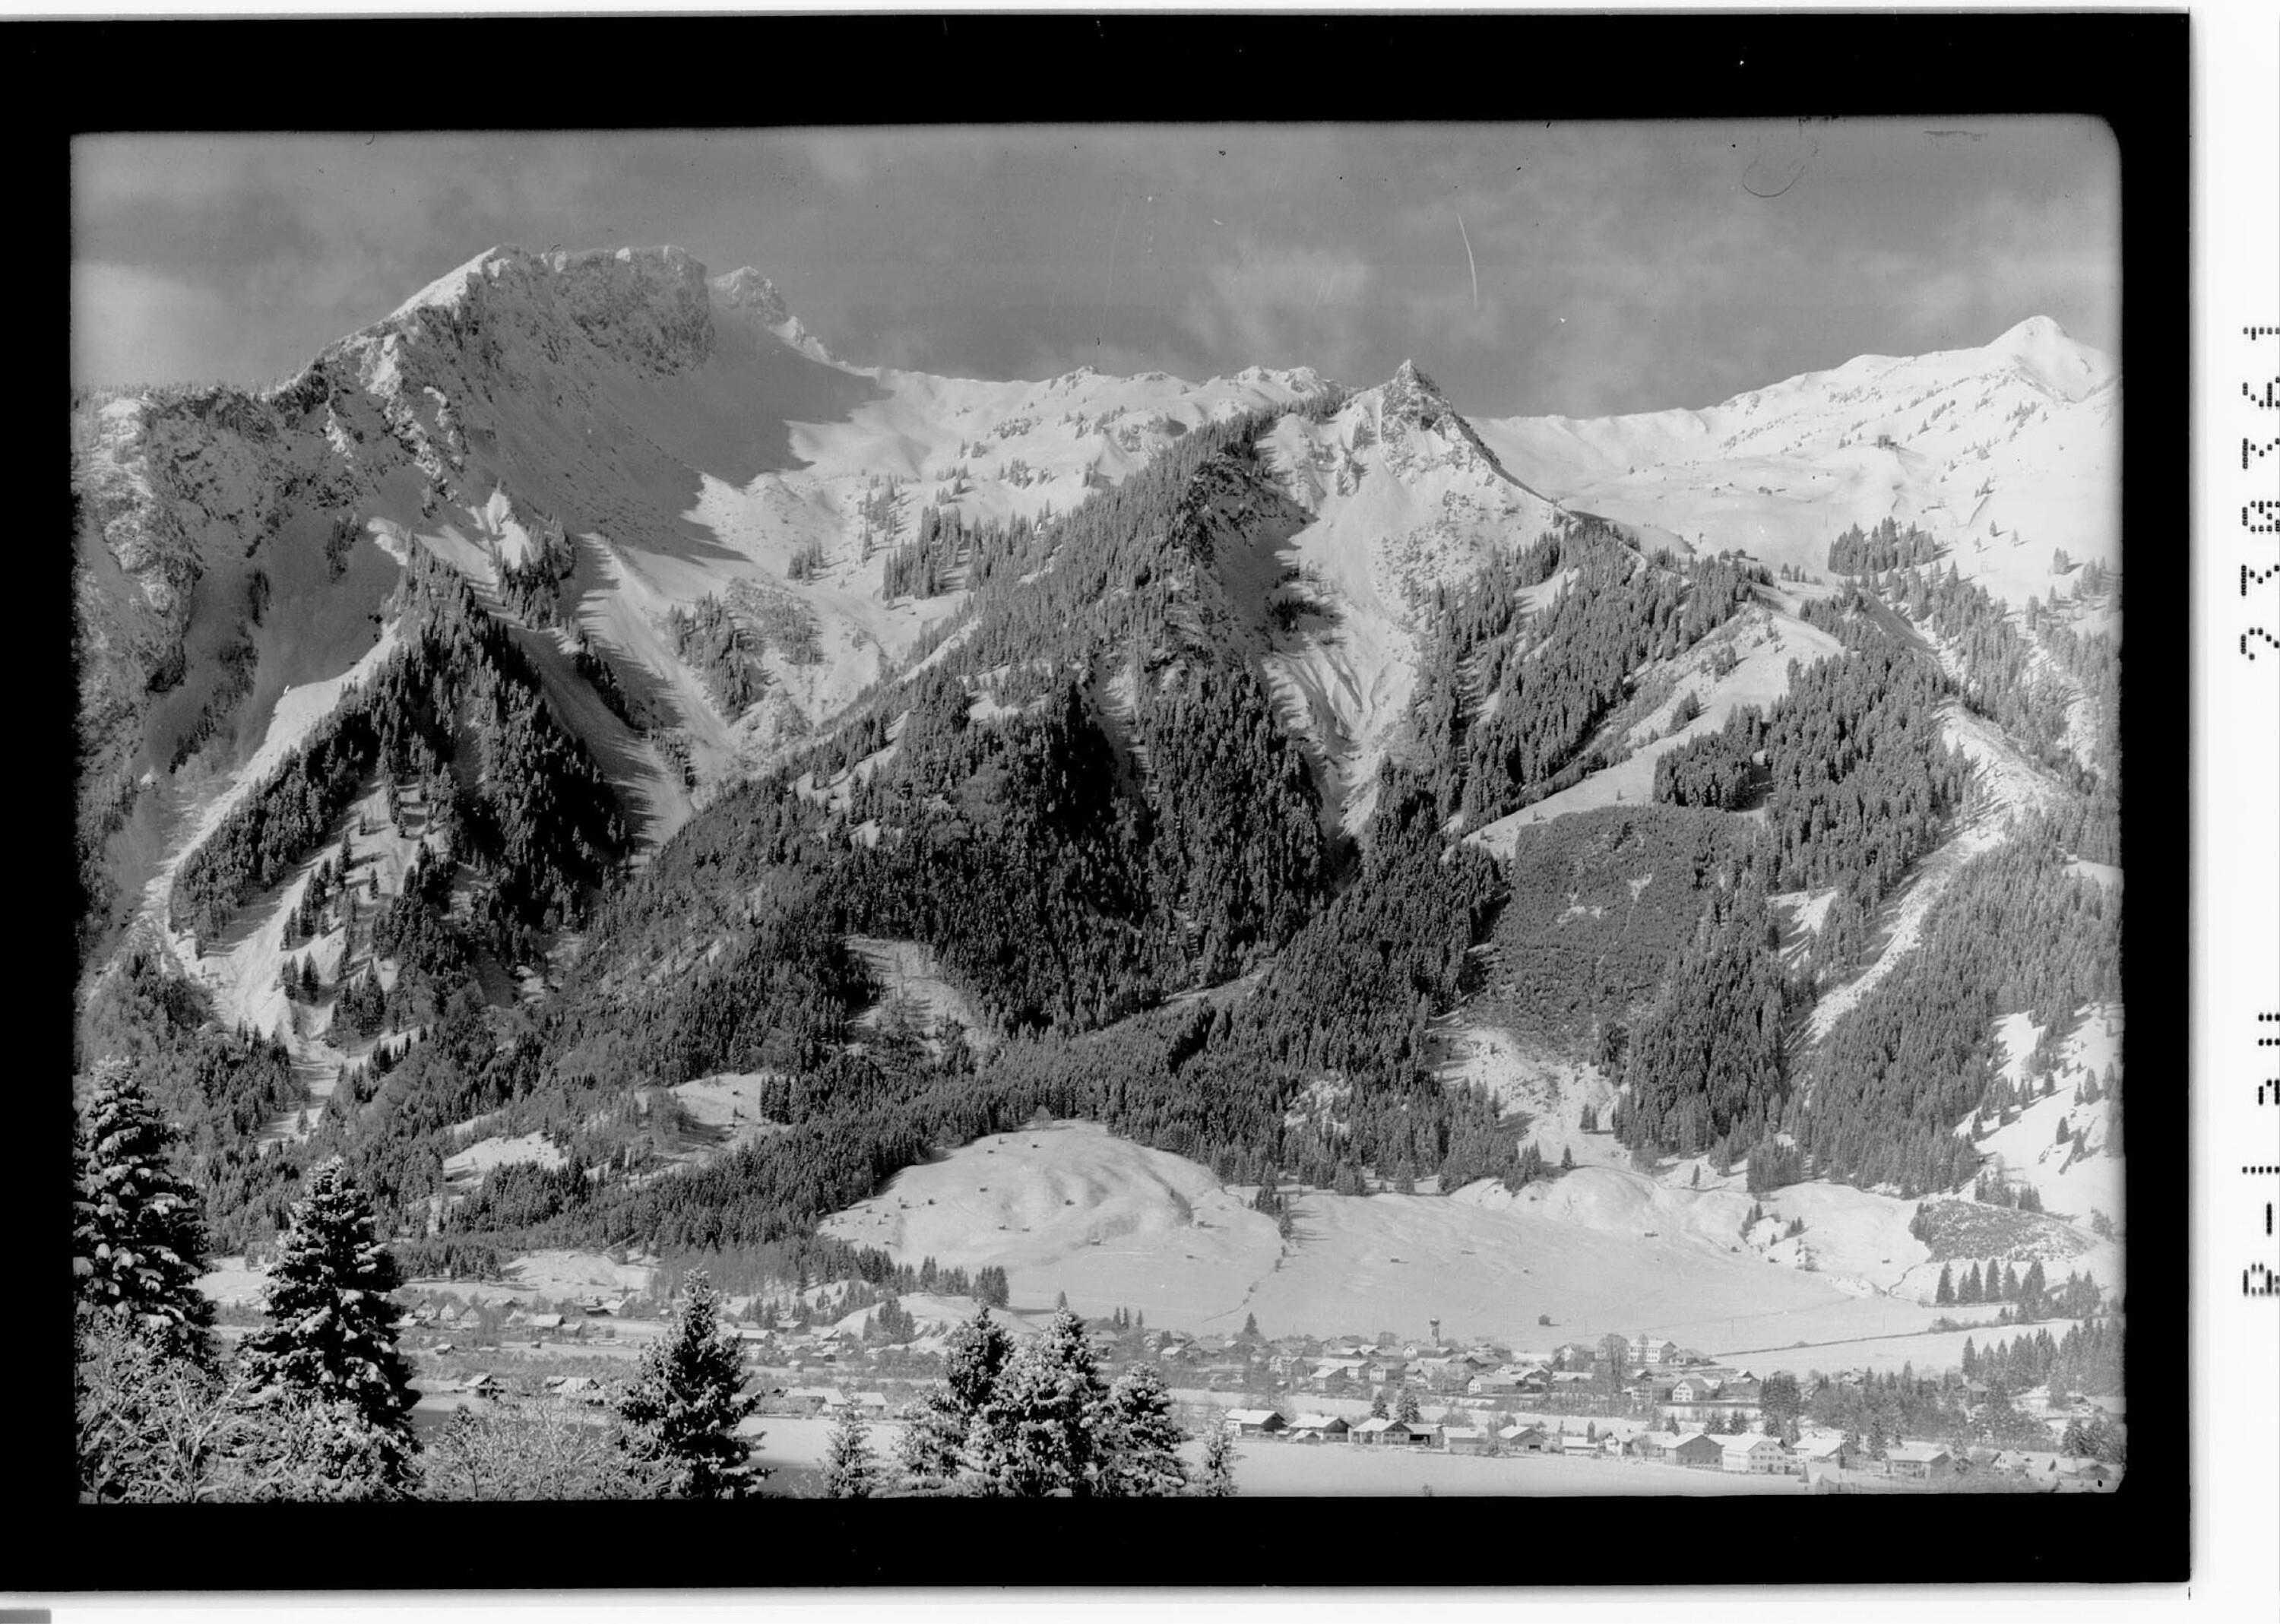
(2127, 69)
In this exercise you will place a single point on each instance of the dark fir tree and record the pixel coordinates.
(932, 1449)
(683, 1406)
(1140, 1442)
(138, 1242)
(1038, 1432)
(328, 1336)
(850, 1472)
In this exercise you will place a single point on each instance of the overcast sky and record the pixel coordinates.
(1575, 268)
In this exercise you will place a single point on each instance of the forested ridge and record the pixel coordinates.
(1082, 801)
(456, 711)
(1601, 903)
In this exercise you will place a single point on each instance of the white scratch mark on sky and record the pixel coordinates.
(1469, 266)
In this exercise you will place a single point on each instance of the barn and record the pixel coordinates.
(1919, 1462)
(1526, 1440)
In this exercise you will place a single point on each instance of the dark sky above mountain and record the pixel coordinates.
(1579, 269)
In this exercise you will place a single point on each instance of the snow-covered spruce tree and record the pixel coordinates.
(1034, 1419)
(1036, 1433)
(138, 1243)
(329, 1341)
(934, 1444)
(1139, 1440)
(683, 1405)
(850, 1472)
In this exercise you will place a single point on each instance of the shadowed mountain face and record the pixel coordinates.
(732, 416)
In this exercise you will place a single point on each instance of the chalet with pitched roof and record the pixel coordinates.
(1255, 1423)
(1919, 1462)
(1754, 1452)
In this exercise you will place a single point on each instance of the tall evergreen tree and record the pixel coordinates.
(2034, 1288)
(1034, 1418)
(850, 1472)
(933, 1448)
(1037, 1430)
(329, 1336)
(1140, 1442)
(1946, 1294)
(138, 1243)
(685, 1405)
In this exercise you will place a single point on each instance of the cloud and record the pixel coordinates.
(1284, 307)
(131, 326)
(994, 251)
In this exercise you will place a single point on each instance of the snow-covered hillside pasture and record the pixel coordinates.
(2075, 1181)
(1070, 1207)
(2006, 453)
(465, 1169)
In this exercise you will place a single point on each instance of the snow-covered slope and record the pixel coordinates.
(1405, 497)
(2005, 452)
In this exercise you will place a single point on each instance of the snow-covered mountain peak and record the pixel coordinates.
(1411, 395)
(745, 288)
(2033, 330)
(1422, 430)
(1299, 380)
(1409, 375)
(2003, 452)
(647, 305)
(744, 291)
(2039, 349)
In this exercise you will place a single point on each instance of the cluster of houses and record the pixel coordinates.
(452, 1316)
(820, 1401)
(797, 1347)
(1814, 1455)
(1660, 1375)
(484, 1384)
(1738, 1454)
